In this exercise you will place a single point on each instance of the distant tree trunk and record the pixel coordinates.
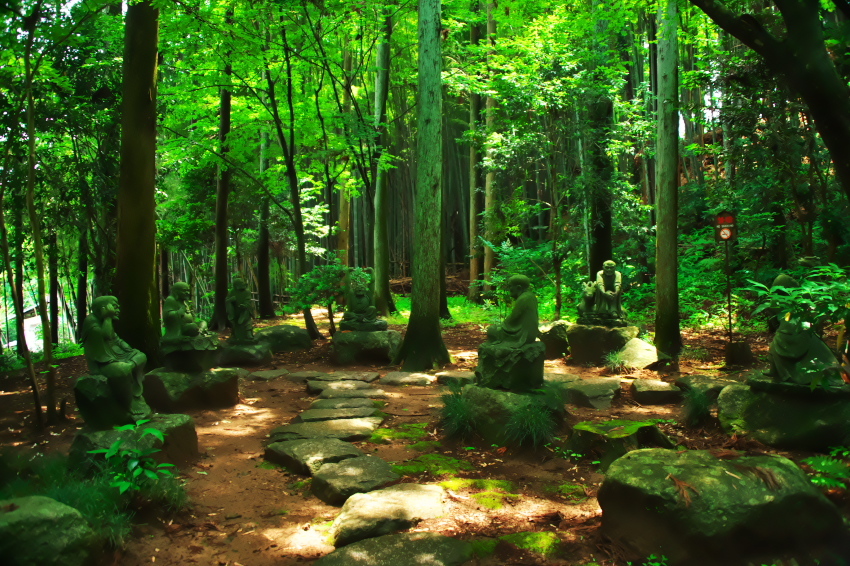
(19, 266)
(82, 279)
(222, 195)
(344, 236)
(423, 346)
(264, 287)
(135, 275)
(383, 298)
(668, 339)
(474, 197)
(164, 271)
(53, 274)
(490, 177)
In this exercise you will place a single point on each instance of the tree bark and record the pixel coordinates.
(53, 274)
(135, 275)
(82, 279)
(490, 177)
(668, 339)
(264, 287)
(423, 346)
(222, 195)
(474, 196)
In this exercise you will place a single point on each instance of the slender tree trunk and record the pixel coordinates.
(136, 266)
(222, 195)
(82, 279)
(474, 196)
(423, 346)
(164, 271)
(53, 274)
(668, 339)
(344, 237)
(490, 177)
(264, 287)
(383, 298)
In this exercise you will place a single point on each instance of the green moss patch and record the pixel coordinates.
(571, 491)
(616, 428)
(435, 464)
(409, 431)
(482, 548)
(426, 445)
(458, 484)
(546, 544)
(492, 499)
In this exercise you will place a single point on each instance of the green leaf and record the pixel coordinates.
(155, 433)
(151, 474)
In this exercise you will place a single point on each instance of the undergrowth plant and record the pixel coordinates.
(697, 407)
(456, 414)
(830, 471)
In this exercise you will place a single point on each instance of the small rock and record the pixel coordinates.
(334, 483)
(594, 392)
(638, 354)
(408, 378)
(655, 392)
(420, 549)
(456, 377)
(307, 456)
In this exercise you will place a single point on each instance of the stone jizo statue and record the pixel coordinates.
(240, 312)
(521, 325)
(186, 345)
(605, 306)
(122, 366)
(360, 312)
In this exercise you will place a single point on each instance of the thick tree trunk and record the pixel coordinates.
(423, 346)
(135, 275)
(490, 177)
(668, 339)
(53, 274)
(343, 241)
(222, 195)
(264, 287)
(474, 186)
(383, 298)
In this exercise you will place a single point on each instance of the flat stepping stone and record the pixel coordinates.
(267, 374)
(319, 386)
(385, 511)
(408, 378)
(459, 377)
(343, 429)
(655, 392)
(353, 394)
(710, 386)
(305, 457)
(421, 549)
(305, 375)
(561, 377)
(367, 376)
(594, 392)
(351, 403)
(334, 483)
(313, 415)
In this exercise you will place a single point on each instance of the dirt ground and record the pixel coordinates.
(245, 512)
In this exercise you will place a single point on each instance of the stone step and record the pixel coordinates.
(350, 403)
(314, 387)
(307, 456)
(343, 429)
(401, 549)
(313, 415)
(367, 376)
(267, 374)
(335, 483)
(408, 378)
(353, 394)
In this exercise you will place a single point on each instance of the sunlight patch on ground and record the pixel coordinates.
(251, 421)
(463, 354)
(296, 539)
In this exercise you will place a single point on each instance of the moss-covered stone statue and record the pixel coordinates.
(112, 394)
(186, 344)
(602, 300)
(360, 312)
(240, 312)
(512, 357)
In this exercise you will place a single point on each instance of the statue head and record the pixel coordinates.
(239, 284)
(518, 284)
(180, 291)
(105, 307)
(609, 267)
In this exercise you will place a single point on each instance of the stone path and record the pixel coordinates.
(317, 443)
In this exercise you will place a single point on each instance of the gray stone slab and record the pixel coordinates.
(403, 549)
(334, 483)
(655, 392)
(367, 376)
(408, 378)
(343, 429)
(313, 415)
(385, 511)
(308, 374)
(456, 377)
(594, 392)
(267, 374)
(319, 386)
(307, 456)
(709, 386)
(638, 354)
(560, 377)
(353, 394)
(351, 403)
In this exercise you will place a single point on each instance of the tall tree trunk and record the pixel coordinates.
(82, 279)
(164, 271)
(383, 298)
(264, 287)
(53, 274)
(668, 339)
(222, 195)
(423, 346)
(136, 265)
(474, 196)
(344, 236)
(490, 178)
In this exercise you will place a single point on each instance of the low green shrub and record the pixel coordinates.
(456, 414)
(434, 464)
(696, 407)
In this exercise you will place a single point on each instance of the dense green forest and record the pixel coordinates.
(192, 141)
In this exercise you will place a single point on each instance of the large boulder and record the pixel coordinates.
(592, 392)
(590, 344)
(171, 391)
(284, 338)
(554, 336)
(786, 415)
(655, 392)
(491, 410)
(180, 446)
(359, 346)
(509, 367)
(334, 483)
(239, 354)
(421, 549)
(697, 510)
(638, 354)
(385, 511)
(705, 384)
(40, 531)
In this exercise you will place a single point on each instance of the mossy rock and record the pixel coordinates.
(614, 438)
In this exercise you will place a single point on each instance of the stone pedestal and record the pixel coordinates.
(284, 338)
(98, 407)
(177, 391)
(245, 353)
(188, 358)
(507, 367)
(590, 344)
(357, 346)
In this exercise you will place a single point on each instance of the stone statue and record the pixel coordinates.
(186, 345)
(112, 394)
(240, 312)
(360, 312)
(521, 325)
(512, 357)
(605, 308)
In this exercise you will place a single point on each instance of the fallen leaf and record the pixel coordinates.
(683, 488)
